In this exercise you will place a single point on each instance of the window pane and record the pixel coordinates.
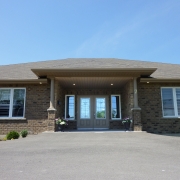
(178, 100)
(18, 103)
(85, 108)
(70, 106)
(115, 107)
(168, 103)
(4, 102)
(100, 108)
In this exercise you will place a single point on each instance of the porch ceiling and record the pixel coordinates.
(92, 82)
(93, 77)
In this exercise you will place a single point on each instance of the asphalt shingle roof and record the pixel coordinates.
(23, 70)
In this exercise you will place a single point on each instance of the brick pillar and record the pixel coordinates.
(51, 120)
(136, 117)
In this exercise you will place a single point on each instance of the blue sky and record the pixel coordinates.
(39, 30)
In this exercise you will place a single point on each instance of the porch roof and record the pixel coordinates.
(96, 72)
(97, 67)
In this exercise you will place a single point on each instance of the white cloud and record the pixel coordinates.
(109, 39)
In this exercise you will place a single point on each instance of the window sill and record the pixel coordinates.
(70, 119)
(116, 120)
(170, 118)
(5, 118)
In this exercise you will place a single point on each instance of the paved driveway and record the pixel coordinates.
(91, 156)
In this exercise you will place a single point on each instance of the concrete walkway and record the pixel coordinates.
(91, 155)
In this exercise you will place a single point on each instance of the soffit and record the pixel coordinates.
(92, 82)
(23, 81)
(155, 80)
(115, 72)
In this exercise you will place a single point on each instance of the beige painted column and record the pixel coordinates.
(135, 93)
(52, 95)
(136, 111)
(51, 110)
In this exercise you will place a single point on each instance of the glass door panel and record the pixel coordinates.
(92, 112)
(85, 108)
(100, 108)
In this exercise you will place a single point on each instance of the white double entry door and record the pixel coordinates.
(92, 112)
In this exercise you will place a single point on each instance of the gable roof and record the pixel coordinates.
(23, 71)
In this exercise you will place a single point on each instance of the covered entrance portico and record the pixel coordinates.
(93, 91)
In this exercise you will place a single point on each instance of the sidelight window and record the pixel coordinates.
(115, 107)
(70, 107)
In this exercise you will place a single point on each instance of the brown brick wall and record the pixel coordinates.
(77, 92)
(151, 109)
(36, 105)
(116, 125)
(127, 99)
(137, 123)
(59, 100)
(33, 126)
(37, 101)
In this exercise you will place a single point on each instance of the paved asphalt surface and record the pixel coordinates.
(91, 156)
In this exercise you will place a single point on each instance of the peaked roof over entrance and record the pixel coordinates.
(34, 70)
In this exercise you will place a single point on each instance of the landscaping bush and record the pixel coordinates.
(3, 139)
(24, 133)
(12, 135)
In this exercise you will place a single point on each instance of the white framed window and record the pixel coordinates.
(70, 107)
(170, 97)
(115, 107)
(12, 102)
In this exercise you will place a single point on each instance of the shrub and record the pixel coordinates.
(3, 139)
(24, 133)
(12, 135)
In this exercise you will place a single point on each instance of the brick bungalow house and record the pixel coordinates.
(91, 93)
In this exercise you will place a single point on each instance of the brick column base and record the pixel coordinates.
(51, 120)
(136, 116)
